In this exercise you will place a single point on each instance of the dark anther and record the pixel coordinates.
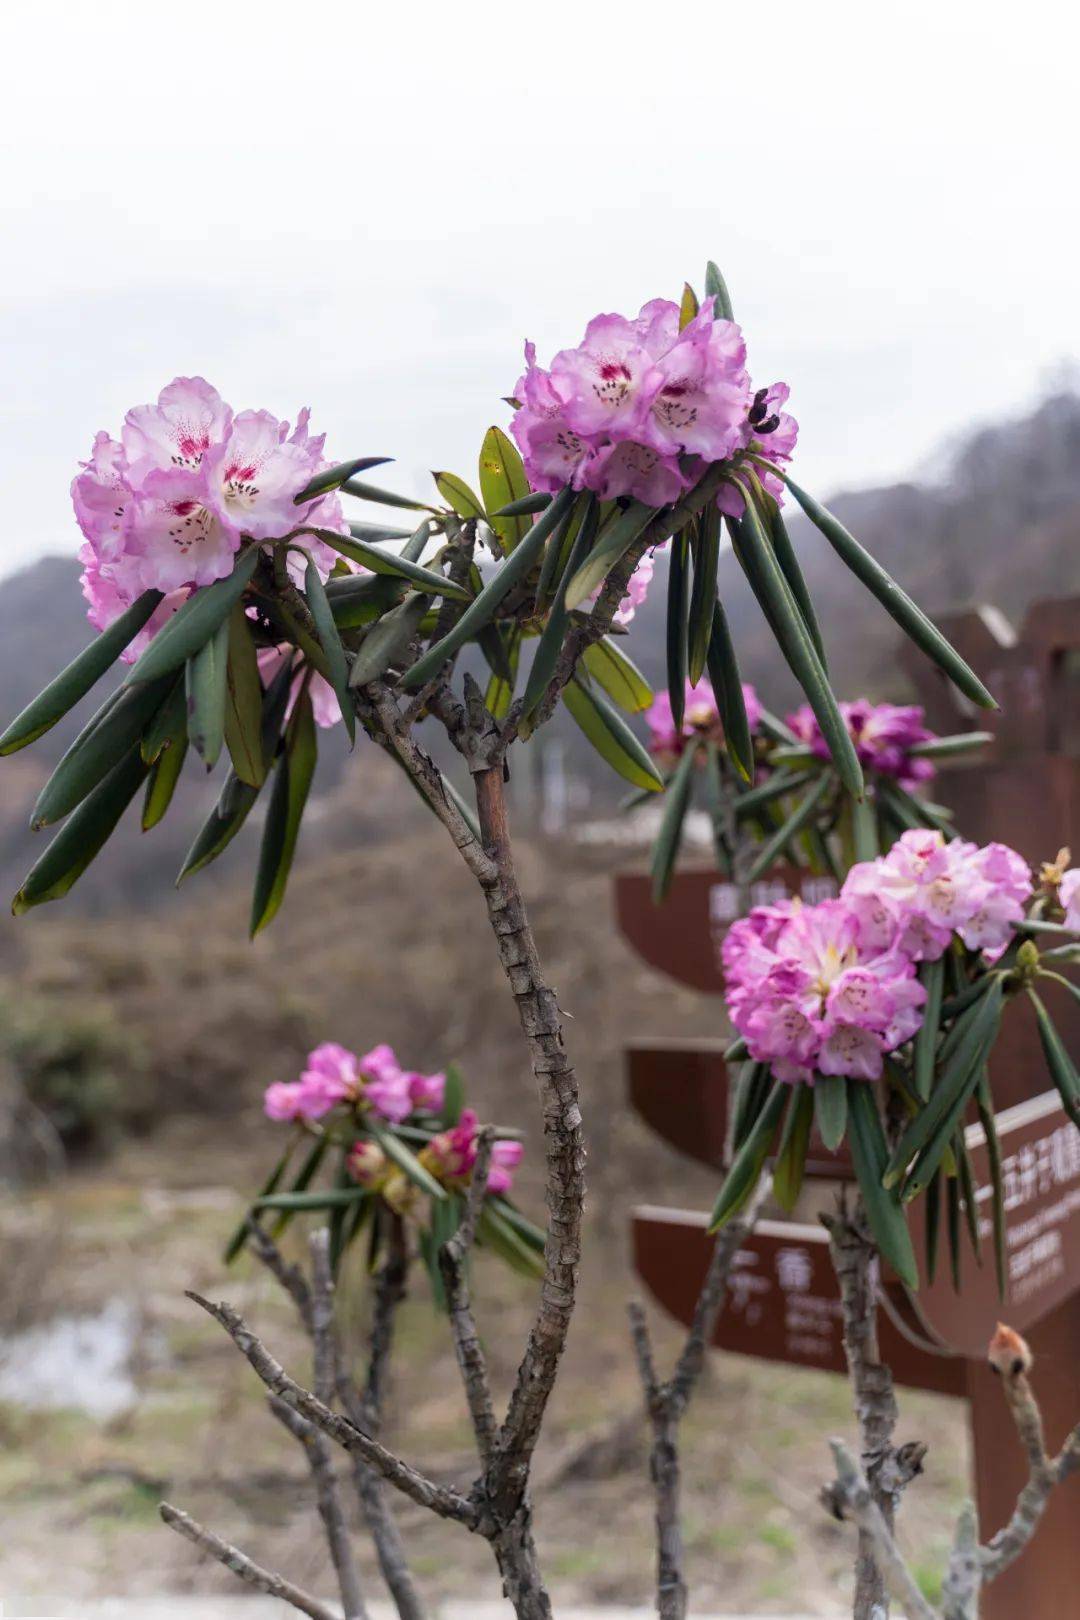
(757, 409)
(770, 425)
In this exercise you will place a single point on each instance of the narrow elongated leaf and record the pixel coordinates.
(495, 1232)
(503, 484)
(527, 506)
(405, 1159)
(611, 736)
(985, 1104)
(676, 804)
(458, 496)
(896, 602)
(375, 534)
(933, 1223)
(966, 1178)
(164, 775)
(167, 725)
(706, 556)
(192, 625)
(357, 601)
(492, 644)
(688, 306)
(82, 836)
(453, 1097)
(727, 687)
(952, 1218)
(620, 677)
(554, 633)
(802, 814)
(933, 978)
(298, 1203)
(73, 683)
(780, 784)
(742, 1178)
(1058, 1062)
(392, 563)
(240, 1236)
(678, 605)
(613, 545)
(206, 686)
(965, 742)
(330, 641)
(334, 477)
(531, 1234)
(483, 608)
(100, 746)
(559, 549)
(789, 566)
(716, 289)
(830, 1109)
(292, 780)
(864, 832)
(382, 497)
(869, 1156)
(500, 688)
(791, 1160)
(388, 641)
(754, 551)
(752, 1091)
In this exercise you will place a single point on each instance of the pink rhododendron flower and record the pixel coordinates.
(810, 995)
(932, 890)
(333, 1076)
(616, 413)
(701, 718)
(1069, 895)
(284, 1100)
(451, 1156)
(167, 506)
(367, 1163)
(324, 703)
(883, 734)
(426, 1090)
(771, 433)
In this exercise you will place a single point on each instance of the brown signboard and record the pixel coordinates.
(1040, 1161)
(783, 1298)
(682, 936)
(681, 1088)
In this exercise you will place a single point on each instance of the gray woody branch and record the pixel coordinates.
(666, 1403)
(971, 1565)
(263, 1580)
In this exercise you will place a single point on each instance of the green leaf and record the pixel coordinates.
(803, 813)
(688, 306)
(933, 1223)
(985, 1104)
(780, 784)
(382, 497)
(789, 566)
(945, 747)
(358, 600)
(292, 780)
(334, 477)
(404, 1158)
(869, 1154)
(192, 625)
(620, 677)
(668, 839)
(392, 563)
(239, 1238)
(531, 1234)
(742, 1178)
(388, 641)
(168, 725)
(483, 607)
(100, 746)
(830, 1109)
(304, 1178)
(496, 1233)
(933, 978)
(374, 534)
(864, 830)
(73, 683)
(164, 775)
(614, 544)
(330, 641)
(755, 553)
(82, 836)
(503, 484)
(453, 1097)
(791, 1159)
(206, 686)
(728, 690)
(500, 688)
(967, 1187)
(716, 289)
(952, 1211)
(752, 1091)
(706, 556)
(611, 736)
(525, 507)
(559, 548)
(458, 496)
(1058, 1062)
(550, 645)
(298, 1203)
(490, 640)
(896, 602)
(678, 602)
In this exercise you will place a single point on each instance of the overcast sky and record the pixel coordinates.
(367, 208)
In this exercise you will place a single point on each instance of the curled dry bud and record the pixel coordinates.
(1052, 872)
(1008, 1353)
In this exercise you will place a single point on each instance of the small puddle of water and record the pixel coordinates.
(73, 1361)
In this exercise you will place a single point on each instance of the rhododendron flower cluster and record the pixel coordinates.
(701, 718)
(375, 1083)
(450, 1157)
(925, 890)
(166, 505)
(815, 990)
(883, 733)
(640, 406)
(1069, 895)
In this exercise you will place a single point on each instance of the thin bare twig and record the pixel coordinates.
(446, 1503)
(453, 1264)
(263, 1580)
